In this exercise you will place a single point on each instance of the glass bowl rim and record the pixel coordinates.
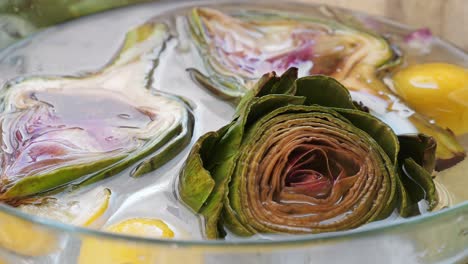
(289, 240)
(362, 231)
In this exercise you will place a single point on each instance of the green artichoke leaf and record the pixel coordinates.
(325, 91)
(299, 159)
(238, 46)
(195, 190)
(421, 148)
(417, 162)
(285, 85)
(64, 131)
(265, 83)
(419, 183)
(203, 180)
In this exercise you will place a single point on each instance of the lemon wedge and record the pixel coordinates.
(81, 210)
(437, 90)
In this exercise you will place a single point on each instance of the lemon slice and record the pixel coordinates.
(100, 251)
(145, 227)
(82, 210)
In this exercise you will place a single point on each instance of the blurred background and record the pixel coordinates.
(446, 18)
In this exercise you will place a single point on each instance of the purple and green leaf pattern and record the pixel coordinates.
(60, 131)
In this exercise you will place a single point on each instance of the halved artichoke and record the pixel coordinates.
(299, 157)
(62, 130)
(239, 47)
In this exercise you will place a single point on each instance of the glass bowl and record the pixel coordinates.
(439, 237)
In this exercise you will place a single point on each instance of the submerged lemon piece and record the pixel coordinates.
(25, 238)
(95, 251)
(144, 227)
(437, 90)
(82, 210)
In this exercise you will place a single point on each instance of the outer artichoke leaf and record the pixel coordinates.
(221, 172)
(419, 183)
(214, 204)
(264, 85)
(285, 85)
(377, 129)
(421, 148)
(324, 91)
(405, 206)
(228, 143)
(78, 130)
(196, 182)
(203, 181)
(231, 221)
(270, 84)
(417, 161)
(265, 104)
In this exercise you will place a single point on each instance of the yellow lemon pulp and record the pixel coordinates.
(97, 209)
(95, 251)
(438, 91)
(145, 227)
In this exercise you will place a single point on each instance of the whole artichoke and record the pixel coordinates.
(301, 157)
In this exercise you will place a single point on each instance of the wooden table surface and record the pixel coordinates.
(446, 18)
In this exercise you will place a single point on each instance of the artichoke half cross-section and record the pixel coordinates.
(300, 157)
(62, 130)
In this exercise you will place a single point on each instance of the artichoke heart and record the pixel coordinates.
(62, 130)
(299, 157)
(237, 48)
